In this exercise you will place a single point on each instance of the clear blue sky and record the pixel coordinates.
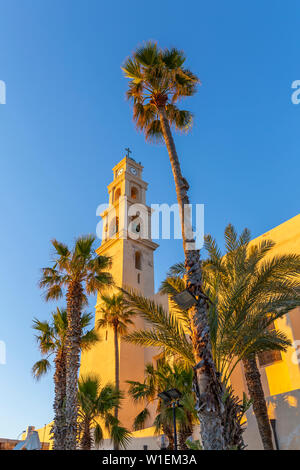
(66, 123)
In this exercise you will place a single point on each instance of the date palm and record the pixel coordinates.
(247, 294)
(77, 272)
(118, 317)
(158, 80)
(250, 290)
(96, 402)
(169, 332)
(51, 340)
(163, 377)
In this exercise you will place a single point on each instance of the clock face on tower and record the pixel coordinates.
(133, 170)
(120, 171)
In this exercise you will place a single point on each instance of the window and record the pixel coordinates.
(117, 194)
(267, 358)
(114, 227)
(134, 193)
(138, 262)
(139, 278)
(135, 223)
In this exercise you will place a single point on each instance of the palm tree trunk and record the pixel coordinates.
(183, 436)
(256, 393)
(117, 374)
(86, 441)
(168, 431)
(207, 386)
(59, 429)
(233, 430)
(74, 307)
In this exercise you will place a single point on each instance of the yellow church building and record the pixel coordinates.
(133, 266)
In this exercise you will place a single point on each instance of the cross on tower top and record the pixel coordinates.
(128, 152)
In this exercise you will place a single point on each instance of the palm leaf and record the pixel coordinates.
(40, 368)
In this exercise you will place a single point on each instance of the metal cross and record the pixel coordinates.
(128, 152)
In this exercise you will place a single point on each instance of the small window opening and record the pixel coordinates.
(134, 193)
(139, 278)
(114, 227)
(266, 358)
(117, 194)
(138, 261)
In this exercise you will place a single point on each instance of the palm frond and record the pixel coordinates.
(40, 368)
(98, 435)
(140, 419)
(132, 70)
(83, 246)
(89, 339)
(178, 269)
(153, 131)
(120, 435)
(147, 55)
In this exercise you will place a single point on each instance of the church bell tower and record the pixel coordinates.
(127, 240)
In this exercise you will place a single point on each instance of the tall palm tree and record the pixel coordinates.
(158, 80)
(169, 333)
(79, 272)
(157, 379)
(249, 292)
(96, 402)
(118, 317)
(51, 340)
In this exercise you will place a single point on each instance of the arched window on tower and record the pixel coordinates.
(114, 226)
(134, 193)
(138, 260)
(117, 194)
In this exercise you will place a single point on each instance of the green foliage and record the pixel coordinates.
(194, 445)
(167, 329)
(40, 368)
(96, 404)
(247, 292)
(81, 264)
(165, 376)
(158, 79)
(51, 338)
(115, 313)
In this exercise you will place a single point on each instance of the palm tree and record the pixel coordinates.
(249, 293)
(96, 402)
(118, 317)
(157, 379)
(51, 340)
(80, 272)
(158, 80)
(170, 333)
